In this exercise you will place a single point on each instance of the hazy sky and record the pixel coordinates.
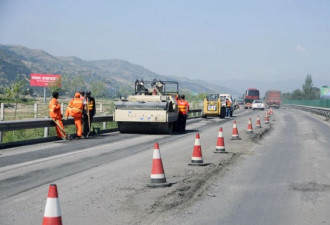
(275, 40)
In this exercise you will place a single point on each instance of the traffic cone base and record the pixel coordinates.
(235, 138)
(220, 149)
(155, 185)
(198, 164)
(158, 178)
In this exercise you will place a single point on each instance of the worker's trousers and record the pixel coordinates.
(77, 122)
(58, 129)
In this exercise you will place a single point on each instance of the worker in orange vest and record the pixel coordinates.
(183, 106)
(228, 107)
(75, 109)
(55, 114)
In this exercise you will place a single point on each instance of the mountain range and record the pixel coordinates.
(19, 61)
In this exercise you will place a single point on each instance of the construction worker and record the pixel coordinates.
(228, 107)
(183, 106)
(89, 113)
(75, 109)
(55, 114)
(82, 96)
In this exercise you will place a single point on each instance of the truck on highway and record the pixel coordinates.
(250, 95)
(273, 98)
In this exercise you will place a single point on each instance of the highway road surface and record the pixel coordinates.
(277, 175)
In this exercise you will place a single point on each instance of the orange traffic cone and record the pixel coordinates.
(197, 158)
(220, 147)
(249, 128)
(258, 122)
(266, 119)
(268, 112)
(235, 135)
(52, 215)
(157, 171)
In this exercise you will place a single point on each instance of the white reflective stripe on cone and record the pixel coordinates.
(197, 141)
(52, 208)
(157, 176)
(196, 158)
(156, 154)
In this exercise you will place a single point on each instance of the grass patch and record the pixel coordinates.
(30, 134)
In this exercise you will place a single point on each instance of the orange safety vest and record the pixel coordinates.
(228, 104)
(183, 107)
(90, 105)
(75, 108)
(55, 109)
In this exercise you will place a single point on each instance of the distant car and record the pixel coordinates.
(258, 104)
(240, 102)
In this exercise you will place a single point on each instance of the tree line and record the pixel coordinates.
(307, 92)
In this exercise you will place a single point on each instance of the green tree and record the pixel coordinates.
(201, 96)
(297, 94)
(13, 91)
(98, 89)
(71, 85)
(287, 95)
(124, 91)
(77, 83)
(308, 90)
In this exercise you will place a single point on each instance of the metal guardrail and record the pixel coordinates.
(317, 110)
(11, 125)
(41, 123)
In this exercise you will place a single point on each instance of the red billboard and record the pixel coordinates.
(44, 80)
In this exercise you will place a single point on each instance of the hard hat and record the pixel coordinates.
(183, 96)
(77, 95)
(88, 92)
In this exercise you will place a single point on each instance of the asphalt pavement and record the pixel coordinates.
(277, 175)
(284, 180)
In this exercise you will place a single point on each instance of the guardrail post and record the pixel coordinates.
(101, 109)
(62, 109)
(101, 112)
(2, 109)
(46, 130)
(35, 110)
(2, 114)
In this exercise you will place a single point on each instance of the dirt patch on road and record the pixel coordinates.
(192, 186)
